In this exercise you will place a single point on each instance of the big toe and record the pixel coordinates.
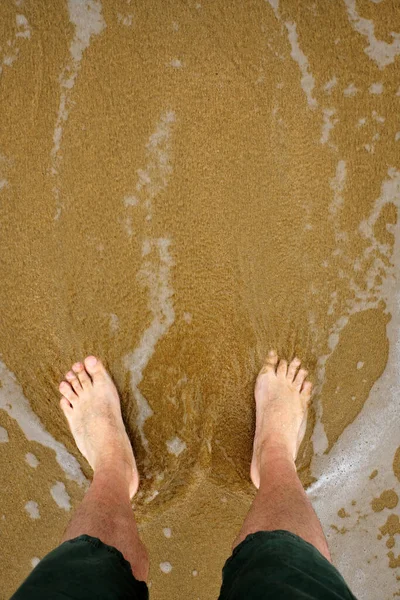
(272, 359)
(95, 367)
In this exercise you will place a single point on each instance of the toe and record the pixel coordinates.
(74, 382)
(66, 406)
(294, 365)
(67, 391)
(82, 374)
(95, 368)
(272, 359)
(282, 368)
(270, 362)
(300, 377)
(306, 390)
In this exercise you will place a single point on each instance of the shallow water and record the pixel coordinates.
(182, 187)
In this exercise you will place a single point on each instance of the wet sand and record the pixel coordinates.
(182, 187)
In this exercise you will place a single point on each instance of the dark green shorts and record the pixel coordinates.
(269, 565)
(266, 565)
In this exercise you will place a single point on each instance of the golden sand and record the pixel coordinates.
(182, 187)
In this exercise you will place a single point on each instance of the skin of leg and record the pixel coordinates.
(282, 396)
(281, 503)
(91, 404)
(106, 513)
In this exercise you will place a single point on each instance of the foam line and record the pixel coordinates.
(13, 401)
(88, 21)
(368, 443)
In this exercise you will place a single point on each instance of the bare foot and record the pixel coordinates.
(282, 397)
(92, 407)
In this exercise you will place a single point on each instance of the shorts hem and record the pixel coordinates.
(97, 543)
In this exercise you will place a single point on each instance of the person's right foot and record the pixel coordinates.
(282, 397)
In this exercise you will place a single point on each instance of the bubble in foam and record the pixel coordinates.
(166, 567)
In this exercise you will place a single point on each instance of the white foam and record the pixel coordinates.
(3, 435)
(153, 179)
(23, 31)
(328, 87)
(17, 406)
(275, 7)
(376, 88)
(130, 201)
(363, 296)
(9, 59)
(176, 63)
(125, 20)
(351, 90)
(377, 117)
(328, 124)
(128, 225)
(21, 21)
(368, 443)
(307, 79)
(155, 270)
(337, 185)
(35, 561)
(381, 52)
(167, 532)
(166, 567)
(32, 508)
(155, 276)
(60, 495)
(86, 17)
(151, 497)
(369, 148)
(114, 323)
(31, 460)
(176, 446)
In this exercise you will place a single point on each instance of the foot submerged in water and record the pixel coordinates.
(282, 396)
(92, 407)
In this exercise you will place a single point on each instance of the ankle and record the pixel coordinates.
(275, 451)
(276, 468)
(113, 477)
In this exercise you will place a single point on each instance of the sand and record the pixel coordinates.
(183, 186)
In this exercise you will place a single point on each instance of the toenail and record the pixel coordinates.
(91, 361)
(70, 375)
(77, 366)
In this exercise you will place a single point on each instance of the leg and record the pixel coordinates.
(91, 405)
(106, 513)
(282, 396)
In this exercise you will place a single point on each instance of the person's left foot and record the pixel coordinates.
(92, 407)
